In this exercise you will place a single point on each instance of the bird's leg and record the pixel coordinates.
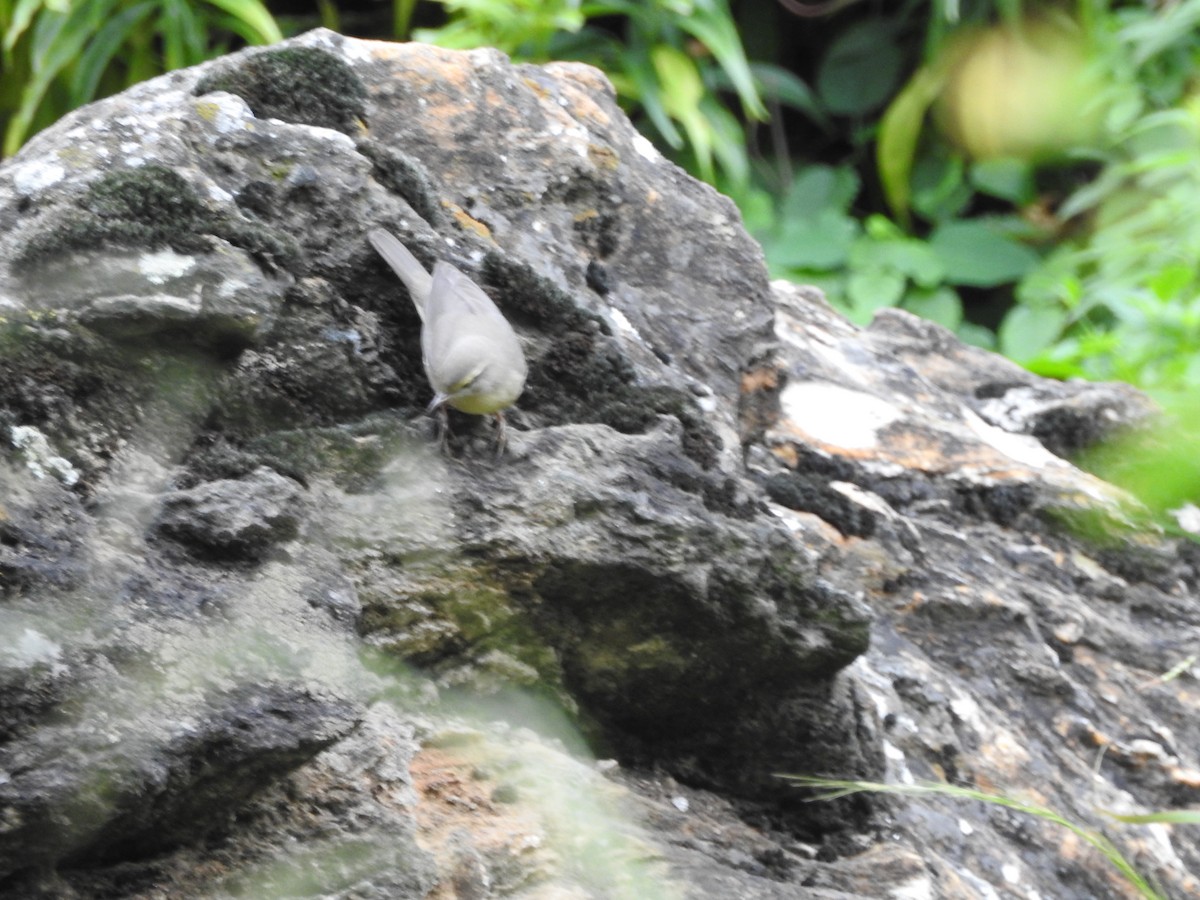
(501, 434)
(443, 428)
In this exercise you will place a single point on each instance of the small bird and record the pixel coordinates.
(472, 356)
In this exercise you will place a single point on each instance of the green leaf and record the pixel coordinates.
(820, 240)
(787, 88)
(1027, 330)
(1007, 178)
(870, 290)
(22, 15)
(57, 41)
(941, 305)
(861, 68)
(711, 23)
(913, 258)
(682, 90)
(757, 208)
(976, 335)
(102, 48)
(255, 15)
(728, 139)
(1169, 816)
(939, 186)
(1171, 280)
(641, 72)
(174, 24)
(977, 255)
(899, 131)
(820, 187)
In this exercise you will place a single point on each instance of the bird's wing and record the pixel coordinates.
(453, 293)
(404, 264)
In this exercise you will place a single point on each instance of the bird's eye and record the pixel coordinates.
(467, 382)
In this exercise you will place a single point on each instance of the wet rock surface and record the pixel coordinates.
(263, 639)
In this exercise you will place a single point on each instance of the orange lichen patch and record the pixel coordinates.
(786, 453)
(931, 450)
(1095, 737)
(786, 431)
(455, 798)
(652, 197)
(1005, 755)
(763, 378)
(586, 216)
(589, 79)
(466, 221)
(577, 85)
(603, 157)
(991, 598)
(425, 64)
(915, 603)
(534, 86)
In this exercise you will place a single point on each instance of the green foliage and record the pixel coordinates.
(1158, 465)
(1122, 300)
(812, 235)
(1103, 277)
(59, 54)
(1118, 293)
(668, 60)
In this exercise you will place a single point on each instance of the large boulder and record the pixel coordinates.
(264, 638)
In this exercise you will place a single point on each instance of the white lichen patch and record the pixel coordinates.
(920, 888)
(620, 322)
(36, 175)
(161, 267)
(837, 416)
(40, 459)
(645, 149)
(33, 648)
(1019, 447)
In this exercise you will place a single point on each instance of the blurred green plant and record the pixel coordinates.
(1108, 95)
(671, 62)
(57, 55)
(1048, 164)
(812, 235)
(1159, 465)
(1121, 299)
(824, 224)
(832, 789)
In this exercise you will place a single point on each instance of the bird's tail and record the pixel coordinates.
(404, 264)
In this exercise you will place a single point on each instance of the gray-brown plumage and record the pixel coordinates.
(472, 357)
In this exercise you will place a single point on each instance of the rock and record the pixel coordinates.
(268, 640)
(234, 517)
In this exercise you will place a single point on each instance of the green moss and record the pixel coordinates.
(303, 85)
(403, 175)
(459, 613)
(609, 658)
(149, 208)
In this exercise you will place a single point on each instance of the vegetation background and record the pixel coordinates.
(1026, 174)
